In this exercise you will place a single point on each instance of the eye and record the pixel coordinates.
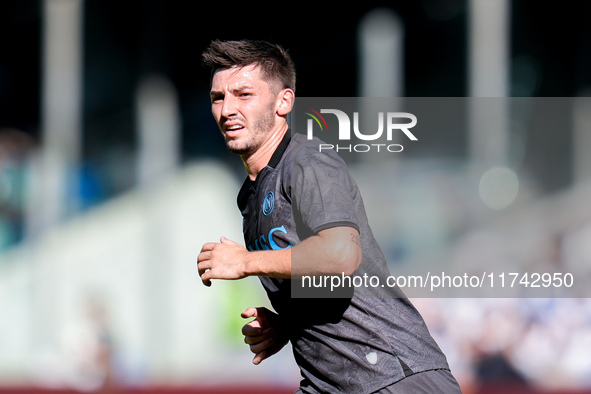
(216, 99)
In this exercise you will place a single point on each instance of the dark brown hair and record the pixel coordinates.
(274, 61)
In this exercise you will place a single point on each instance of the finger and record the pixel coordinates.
(208, 246)
(253, 339)
(259, 337)
(203, 266)
(250, 312)
(259, 357)
(203, 263)
(227, 241)
(260, 313)
(206, 278)
(261, 346)
(251, 329)
(203, 256)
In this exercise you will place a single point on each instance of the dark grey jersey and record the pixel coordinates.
(360, 341)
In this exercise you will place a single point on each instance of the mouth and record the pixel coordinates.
(232, 130)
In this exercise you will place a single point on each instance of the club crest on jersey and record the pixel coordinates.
(268, 204)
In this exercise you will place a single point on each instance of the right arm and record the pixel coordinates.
(333, 251)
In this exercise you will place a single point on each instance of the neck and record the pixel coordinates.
(256, 161)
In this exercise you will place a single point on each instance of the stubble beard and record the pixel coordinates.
(261, 126)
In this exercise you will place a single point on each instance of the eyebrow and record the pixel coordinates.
(236, 90)
(242, 88)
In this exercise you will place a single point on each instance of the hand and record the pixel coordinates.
(223, 260)
(265, 335)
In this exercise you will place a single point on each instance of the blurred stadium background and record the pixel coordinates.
(112, 176)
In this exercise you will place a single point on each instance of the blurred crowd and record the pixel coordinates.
(540, 343)
(18, 155)
(15, 150)
(530, 342)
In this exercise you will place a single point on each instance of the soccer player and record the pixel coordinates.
(303, 216)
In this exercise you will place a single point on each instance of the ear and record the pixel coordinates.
(285, 100)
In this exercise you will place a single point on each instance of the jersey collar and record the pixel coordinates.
(249, 186)
(278, 154)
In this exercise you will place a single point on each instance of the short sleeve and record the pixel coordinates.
(323, 192)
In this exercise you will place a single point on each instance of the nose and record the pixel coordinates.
(228, 109)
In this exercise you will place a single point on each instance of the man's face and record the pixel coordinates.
(243, 106)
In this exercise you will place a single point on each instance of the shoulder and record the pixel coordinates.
(307, 153)
(313, 168)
